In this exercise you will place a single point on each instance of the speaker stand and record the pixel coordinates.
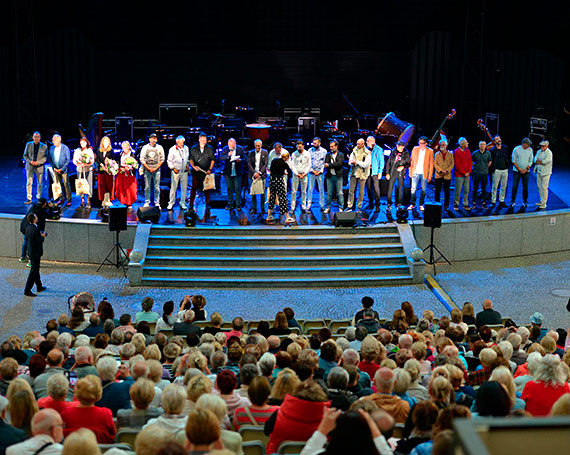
(432, 247)
(116, 250)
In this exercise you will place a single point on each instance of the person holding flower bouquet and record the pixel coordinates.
(126, 178)
(106, 178)
(83, 158)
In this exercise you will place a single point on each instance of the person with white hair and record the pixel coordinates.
(463, 164)
(487, 357)
(482, 161)
(58, 157)
(337, 382)
(57, 387)
(266, 364)
(351, 357)
(548, 385)
(84, 362)
(115, 395)
(257, 171)
(47, 434)
(532, 362)
(519, 356)
(524, 332)
(543, 169)
(187, 327)
(178, 162)
(173, 401)
(507, 350)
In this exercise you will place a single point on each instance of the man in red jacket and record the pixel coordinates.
(463, 165)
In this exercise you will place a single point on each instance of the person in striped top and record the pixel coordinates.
(259, 411)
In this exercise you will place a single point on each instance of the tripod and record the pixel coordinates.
(117, 250)
(432, 247)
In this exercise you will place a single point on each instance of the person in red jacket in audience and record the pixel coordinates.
(88, 390)
(549, 384)
(298, 417)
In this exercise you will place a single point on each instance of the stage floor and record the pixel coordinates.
(13, 196)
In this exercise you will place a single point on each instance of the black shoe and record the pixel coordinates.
(29, 294)
(41, 289)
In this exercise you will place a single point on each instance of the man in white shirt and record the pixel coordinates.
(543, 169)
(522, 159)
(300, 166)
(257, 169)
(317, 172)
(359, 160)
(47, 431)
(178, 163)
(152, 157)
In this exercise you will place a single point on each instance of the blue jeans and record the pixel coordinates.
(24, 248)
(319, 179)
(334, 183)
(149, 177)
(415, 179)
(234, 187)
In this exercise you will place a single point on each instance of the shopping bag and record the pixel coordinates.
(82, 185)
(209, 182)
(256, 187)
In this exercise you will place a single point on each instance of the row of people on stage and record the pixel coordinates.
(307, 168)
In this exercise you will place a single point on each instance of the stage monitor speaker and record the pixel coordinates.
(432, 215)
(123, 129)
(151, 214)
(118, 218)
(345, 219)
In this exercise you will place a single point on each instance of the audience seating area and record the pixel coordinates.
(188, 382)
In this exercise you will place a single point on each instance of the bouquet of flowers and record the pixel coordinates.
(129, 165)
(111, 167)
(86, 159)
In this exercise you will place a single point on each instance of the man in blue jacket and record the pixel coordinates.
(233, 157)
(373, 183)
(58, 158)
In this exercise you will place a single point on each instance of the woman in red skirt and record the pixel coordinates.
(126, 178)
(106, 179)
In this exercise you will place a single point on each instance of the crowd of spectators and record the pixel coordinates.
(189, 388)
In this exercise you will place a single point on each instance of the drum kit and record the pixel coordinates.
(391, 129)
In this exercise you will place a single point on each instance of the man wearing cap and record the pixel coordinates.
(47, 434)
(522, 161)
(178, 162)
(9, 435)
(536, 320)
(543, 169)
(152, 157)
(35, 156)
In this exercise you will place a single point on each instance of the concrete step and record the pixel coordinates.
(288, 261)
(274, 230)
(254, 271)
(249, 250)
(250, 283)
(288, 239)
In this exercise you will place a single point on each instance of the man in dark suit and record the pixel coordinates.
(334, 163)
(59, 157)
(35, 157)
(186, 327)
(488, 316)
(257, 169)
(35, 241)
(233, 157)
(40, 209)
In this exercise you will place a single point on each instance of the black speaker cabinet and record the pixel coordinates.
(345, 219)
(146, 214)
(432, 215)
(118, 218)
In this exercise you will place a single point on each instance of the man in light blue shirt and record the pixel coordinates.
(522, 159)
(373, 182)
(317, 172)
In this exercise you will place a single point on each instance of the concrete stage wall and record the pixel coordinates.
(466, 239)
(69, 240)
(89, 241)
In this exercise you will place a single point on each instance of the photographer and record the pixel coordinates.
(35, 249)
(41, 210)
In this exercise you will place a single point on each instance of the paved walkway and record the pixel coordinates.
(518, 287)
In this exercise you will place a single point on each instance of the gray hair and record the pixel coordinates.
(507, 349)
(248, 372)
(109, 325)
(44, 420)
(173, 399)
(213, 403)
(350, 333)
(350, 357)
(218, 359)
(524, 334)
(258, 141)
(189, 316)
(107, 368)
(127, 350)
(82, 340)
(337, 378)
(405, 341)
(83, 353)
(533, 360)
(461, 139)
(266, 363)
(117, 337)
(402, 381)
(515, 339)
(57, 386)
(343, 343)
(209, 338)
(550, 371)
(207, 349)
(64, 340)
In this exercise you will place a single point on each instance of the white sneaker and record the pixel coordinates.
(340, 209)
(146, 204)
(325, 211)
(290, 219)
(169, 207)
(183, 207)
(538, 203)
(304, 208)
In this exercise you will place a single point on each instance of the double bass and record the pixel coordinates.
(439, 135)
(481, 125)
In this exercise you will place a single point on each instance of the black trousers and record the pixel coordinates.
(34, 275)
(400, 176)
(446, 184)
(479, 179)
(517, 177)
(373, 189)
